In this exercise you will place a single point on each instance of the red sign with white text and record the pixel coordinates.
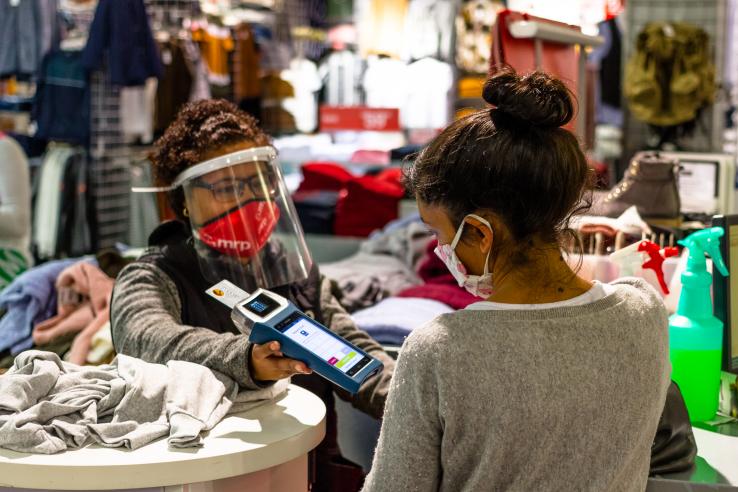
(359, 118)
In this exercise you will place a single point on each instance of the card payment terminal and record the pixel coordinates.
(274, 318)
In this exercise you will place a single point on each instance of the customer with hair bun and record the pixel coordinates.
(552, 382)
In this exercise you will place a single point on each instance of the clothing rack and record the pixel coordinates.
(109, 164)
(710, 15)
(110, 154)
(171, 12)
(541, 32)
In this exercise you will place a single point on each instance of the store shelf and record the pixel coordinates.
(552, 33)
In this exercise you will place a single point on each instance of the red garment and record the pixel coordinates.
(431, 268)
(391, 175)
(365, 205)
(440, 285)
(559, 60)
(450, 295)
(324, 176)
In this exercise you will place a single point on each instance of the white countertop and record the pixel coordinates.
(720, 451)
(261, 438)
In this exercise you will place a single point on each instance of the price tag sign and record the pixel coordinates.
(359, 118)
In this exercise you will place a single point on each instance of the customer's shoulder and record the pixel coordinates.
(638, 291)
(639, 300)
(432, 335)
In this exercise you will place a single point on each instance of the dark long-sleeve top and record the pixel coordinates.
(121, 30)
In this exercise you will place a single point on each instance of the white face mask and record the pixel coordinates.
(477, 285)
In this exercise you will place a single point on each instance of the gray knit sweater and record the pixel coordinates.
(556, 399)
(147, 324)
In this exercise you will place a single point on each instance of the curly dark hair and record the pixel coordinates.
(200, 128)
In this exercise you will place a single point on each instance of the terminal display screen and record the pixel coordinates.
(262, 305)
(331, 349)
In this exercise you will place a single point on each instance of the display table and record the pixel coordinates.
(262, 450)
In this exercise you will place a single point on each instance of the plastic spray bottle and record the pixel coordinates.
(695, 334)
(645, 255)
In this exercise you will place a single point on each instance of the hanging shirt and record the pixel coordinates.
(61, 107)
(304, 78)
(385, 83)
(20, 49)
(341, 71)
(381, 26)
(200, 86)
(176, 85)
(275, 119)
(216, 43)
(474, 34)
(137, 111)
(428, 101)
(121, 30)
(429, 29)
(15, 211)
(339, 11)
(246, 83)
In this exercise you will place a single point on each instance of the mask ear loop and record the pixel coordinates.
(460, 230)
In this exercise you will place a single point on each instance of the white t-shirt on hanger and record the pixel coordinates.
(304, 78)
(385, 83)
(428, 103)
(342, 71)
(137, 111)
(429, 29)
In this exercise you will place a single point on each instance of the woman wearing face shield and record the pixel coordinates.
(235, 221)
(552, 382)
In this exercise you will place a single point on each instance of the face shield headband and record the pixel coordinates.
(244, 224)
(257, 154)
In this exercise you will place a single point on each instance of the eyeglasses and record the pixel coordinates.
(261, 186)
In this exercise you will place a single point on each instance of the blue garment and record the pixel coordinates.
(121, 30)
(391, 320)
(20, 30)
(29, 300)
(61, 108)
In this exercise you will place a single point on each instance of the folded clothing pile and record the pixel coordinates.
(83, 308)
(28, 300)
(439, 284)
(62, 307)
(392, 320)
(48, 406)
(365, 279)
(360, 205)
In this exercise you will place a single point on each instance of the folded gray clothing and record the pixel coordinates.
(365, 279)
(48, 406)
(407, 243)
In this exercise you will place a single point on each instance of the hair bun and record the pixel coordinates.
(536, 99)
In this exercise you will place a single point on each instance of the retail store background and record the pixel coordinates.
(349, 89)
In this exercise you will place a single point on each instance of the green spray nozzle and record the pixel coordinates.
(701, 242)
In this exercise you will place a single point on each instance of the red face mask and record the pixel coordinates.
(242, 232)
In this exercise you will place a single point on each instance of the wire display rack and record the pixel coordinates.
(110, 154)
(710, 15)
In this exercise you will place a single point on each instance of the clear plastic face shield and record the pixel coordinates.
(244, 224)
